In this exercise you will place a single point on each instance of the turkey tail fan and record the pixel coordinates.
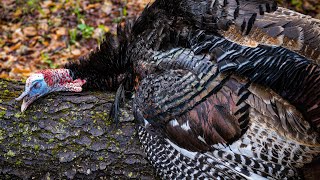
(223, 12)
(106, 67)
(292, 76)
(286, 28)
(252, 22)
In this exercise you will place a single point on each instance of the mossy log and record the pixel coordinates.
(67, 135)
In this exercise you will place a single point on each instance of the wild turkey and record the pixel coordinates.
(207, 105)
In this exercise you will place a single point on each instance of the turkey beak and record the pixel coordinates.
(27, 100)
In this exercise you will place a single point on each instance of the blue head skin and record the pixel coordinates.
(35, 87)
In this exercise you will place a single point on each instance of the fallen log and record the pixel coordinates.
(68, 135)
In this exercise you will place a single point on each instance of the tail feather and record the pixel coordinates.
(292, 76)
(171, 162)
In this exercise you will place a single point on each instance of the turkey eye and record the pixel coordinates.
(37, 85)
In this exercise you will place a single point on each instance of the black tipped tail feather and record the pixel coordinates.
(115, 108)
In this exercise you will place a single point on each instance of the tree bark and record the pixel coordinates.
(68, 135)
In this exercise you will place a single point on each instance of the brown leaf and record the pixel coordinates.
(17, 13)
(98, 33)
(4, 75)
(30, 31)
(107, 7)
(61, 31)
(15, 47)
(47, 4)
(44, 13)
(43, 25)
(17, 35)
(92, 6)
(76, 52)
(56, 21)
(19, 69)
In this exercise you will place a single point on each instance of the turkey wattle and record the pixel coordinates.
(223, 89)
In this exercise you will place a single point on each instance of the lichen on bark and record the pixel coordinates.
(68, 135)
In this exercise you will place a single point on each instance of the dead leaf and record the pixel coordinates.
(4, 75)
(106, 29)
(30, 31)
(35, 54)
(44, 13)
(76, 52)
(15, 47)
(92, 6)
(22, 50)
(61, 31)
(43, 26)
(107, 7)
(98, 33)
(3, 55)
(56, 21)
(45, 43)
(17, 35)
(20, 69)
(17, 13)
(47, 4)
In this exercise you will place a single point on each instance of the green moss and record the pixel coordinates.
(10, 153)
(51, 140)
(21, 125)
(100, 158)
(62, 120)
(7, 94)
(19, 115)
(36, 147)
(1, 134)
(98, 115)
(2, 113)
(18, 163)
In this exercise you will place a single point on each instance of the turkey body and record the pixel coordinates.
(222, 89)
(211, 104)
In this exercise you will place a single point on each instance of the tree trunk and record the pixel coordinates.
(68, 135)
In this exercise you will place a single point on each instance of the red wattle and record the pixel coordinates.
(55, 77)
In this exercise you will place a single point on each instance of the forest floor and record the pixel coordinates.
(38, 34)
